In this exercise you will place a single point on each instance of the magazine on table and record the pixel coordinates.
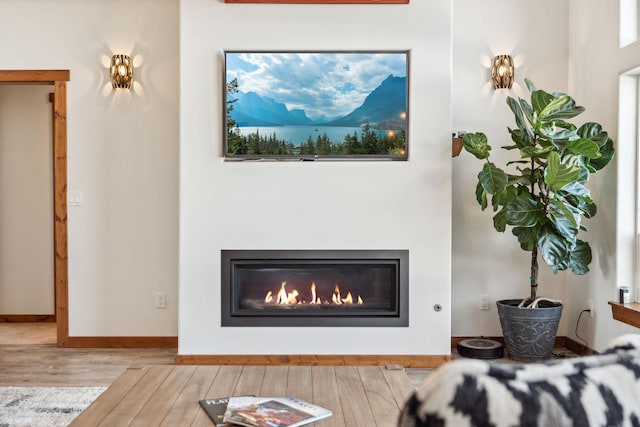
(272, 412)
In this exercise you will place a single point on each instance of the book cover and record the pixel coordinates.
(273, 412)
(215, 408)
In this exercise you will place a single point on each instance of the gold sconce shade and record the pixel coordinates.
(502, 72)
(121, 72)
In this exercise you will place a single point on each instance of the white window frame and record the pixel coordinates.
(629, 22)
(628, 197)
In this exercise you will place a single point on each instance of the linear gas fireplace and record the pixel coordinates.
(315, 288)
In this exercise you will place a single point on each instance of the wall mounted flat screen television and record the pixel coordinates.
(316, 105)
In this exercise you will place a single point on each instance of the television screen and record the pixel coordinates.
(315, 105)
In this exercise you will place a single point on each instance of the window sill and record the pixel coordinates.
(626, 313)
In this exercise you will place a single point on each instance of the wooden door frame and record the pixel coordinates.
(58, 79)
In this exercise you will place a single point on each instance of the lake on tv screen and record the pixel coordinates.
(298, 135)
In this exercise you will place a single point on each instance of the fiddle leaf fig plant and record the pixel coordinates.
(544, 197)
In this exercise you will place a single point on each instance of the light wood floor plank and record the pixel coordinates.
(399, 384)
(129, 407)
(225, 382)
(275, 381)
(28, 333)
(47, 365)
(355, 405)
(326, 394)
(157, 408)
(381, 400)
(187, 406)
(250, 381)
(299, 383)
(99, 409)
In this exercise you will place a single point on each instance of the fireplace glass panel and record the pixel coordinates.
(314, 288)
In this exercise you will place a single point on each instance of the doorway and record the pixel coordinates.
(58, 79)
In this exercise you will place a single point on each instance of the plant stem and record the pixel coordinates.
(534, 272)
(534, 252)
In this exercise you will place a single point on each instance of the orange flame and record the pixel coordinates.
(269, 297)
(287, 298)
(314, 298)
(336, 296)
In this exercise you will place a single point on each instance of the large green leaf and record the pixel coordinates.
(557, 175)
(527, 111)
(554, 132)
(561, 124)
(530, 85)
(589, 130)
(523, 211)
(510, 192)
(481, 196)
(580, 258)
(584, 147)
(520, 137)
(575, 159)
(527, 236)
(564, 220)
(492, 178)
(607, 153)
(553, 249)
(476, 144)
(539, 100)
(565, 108)
(578, 190)
(585, 205)
(518, 114)
(535, 152)
(554, 106)
(500, 220)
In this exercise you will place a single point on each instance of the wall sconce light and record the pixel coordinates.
(502, 72)
(121, 72)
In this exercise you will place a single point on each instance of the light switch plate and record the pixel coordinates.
(75, 198)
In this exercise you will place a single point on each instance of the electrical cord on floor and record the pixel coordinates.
(562, 354)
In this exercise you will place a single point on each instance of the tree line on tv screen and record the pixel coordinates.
(368, 143)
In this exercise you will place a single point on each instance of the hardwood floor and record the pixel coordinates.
(27, 333)
(29, 357)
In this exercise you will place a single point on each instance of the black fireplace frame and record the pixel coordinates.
(397, 317)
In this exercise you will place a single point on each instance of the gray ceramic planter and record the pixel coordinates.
(529, 334)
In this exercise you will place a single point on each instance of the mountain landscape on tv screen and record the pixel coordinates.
(384, 107)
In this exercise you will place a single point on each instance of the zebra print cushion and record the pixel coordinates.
(601, 390)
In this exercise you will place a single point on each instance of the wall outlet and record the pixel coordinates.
(161, 300)
(484, 302)
(590, 307)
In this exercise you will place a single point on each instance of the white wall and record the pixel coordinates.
(123, 156)
(596, 64)
(483, 260)
(122, 153)
(26, 196)
(350, 205)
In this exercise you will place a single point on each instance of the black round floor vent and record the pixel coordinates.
(480, 348)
